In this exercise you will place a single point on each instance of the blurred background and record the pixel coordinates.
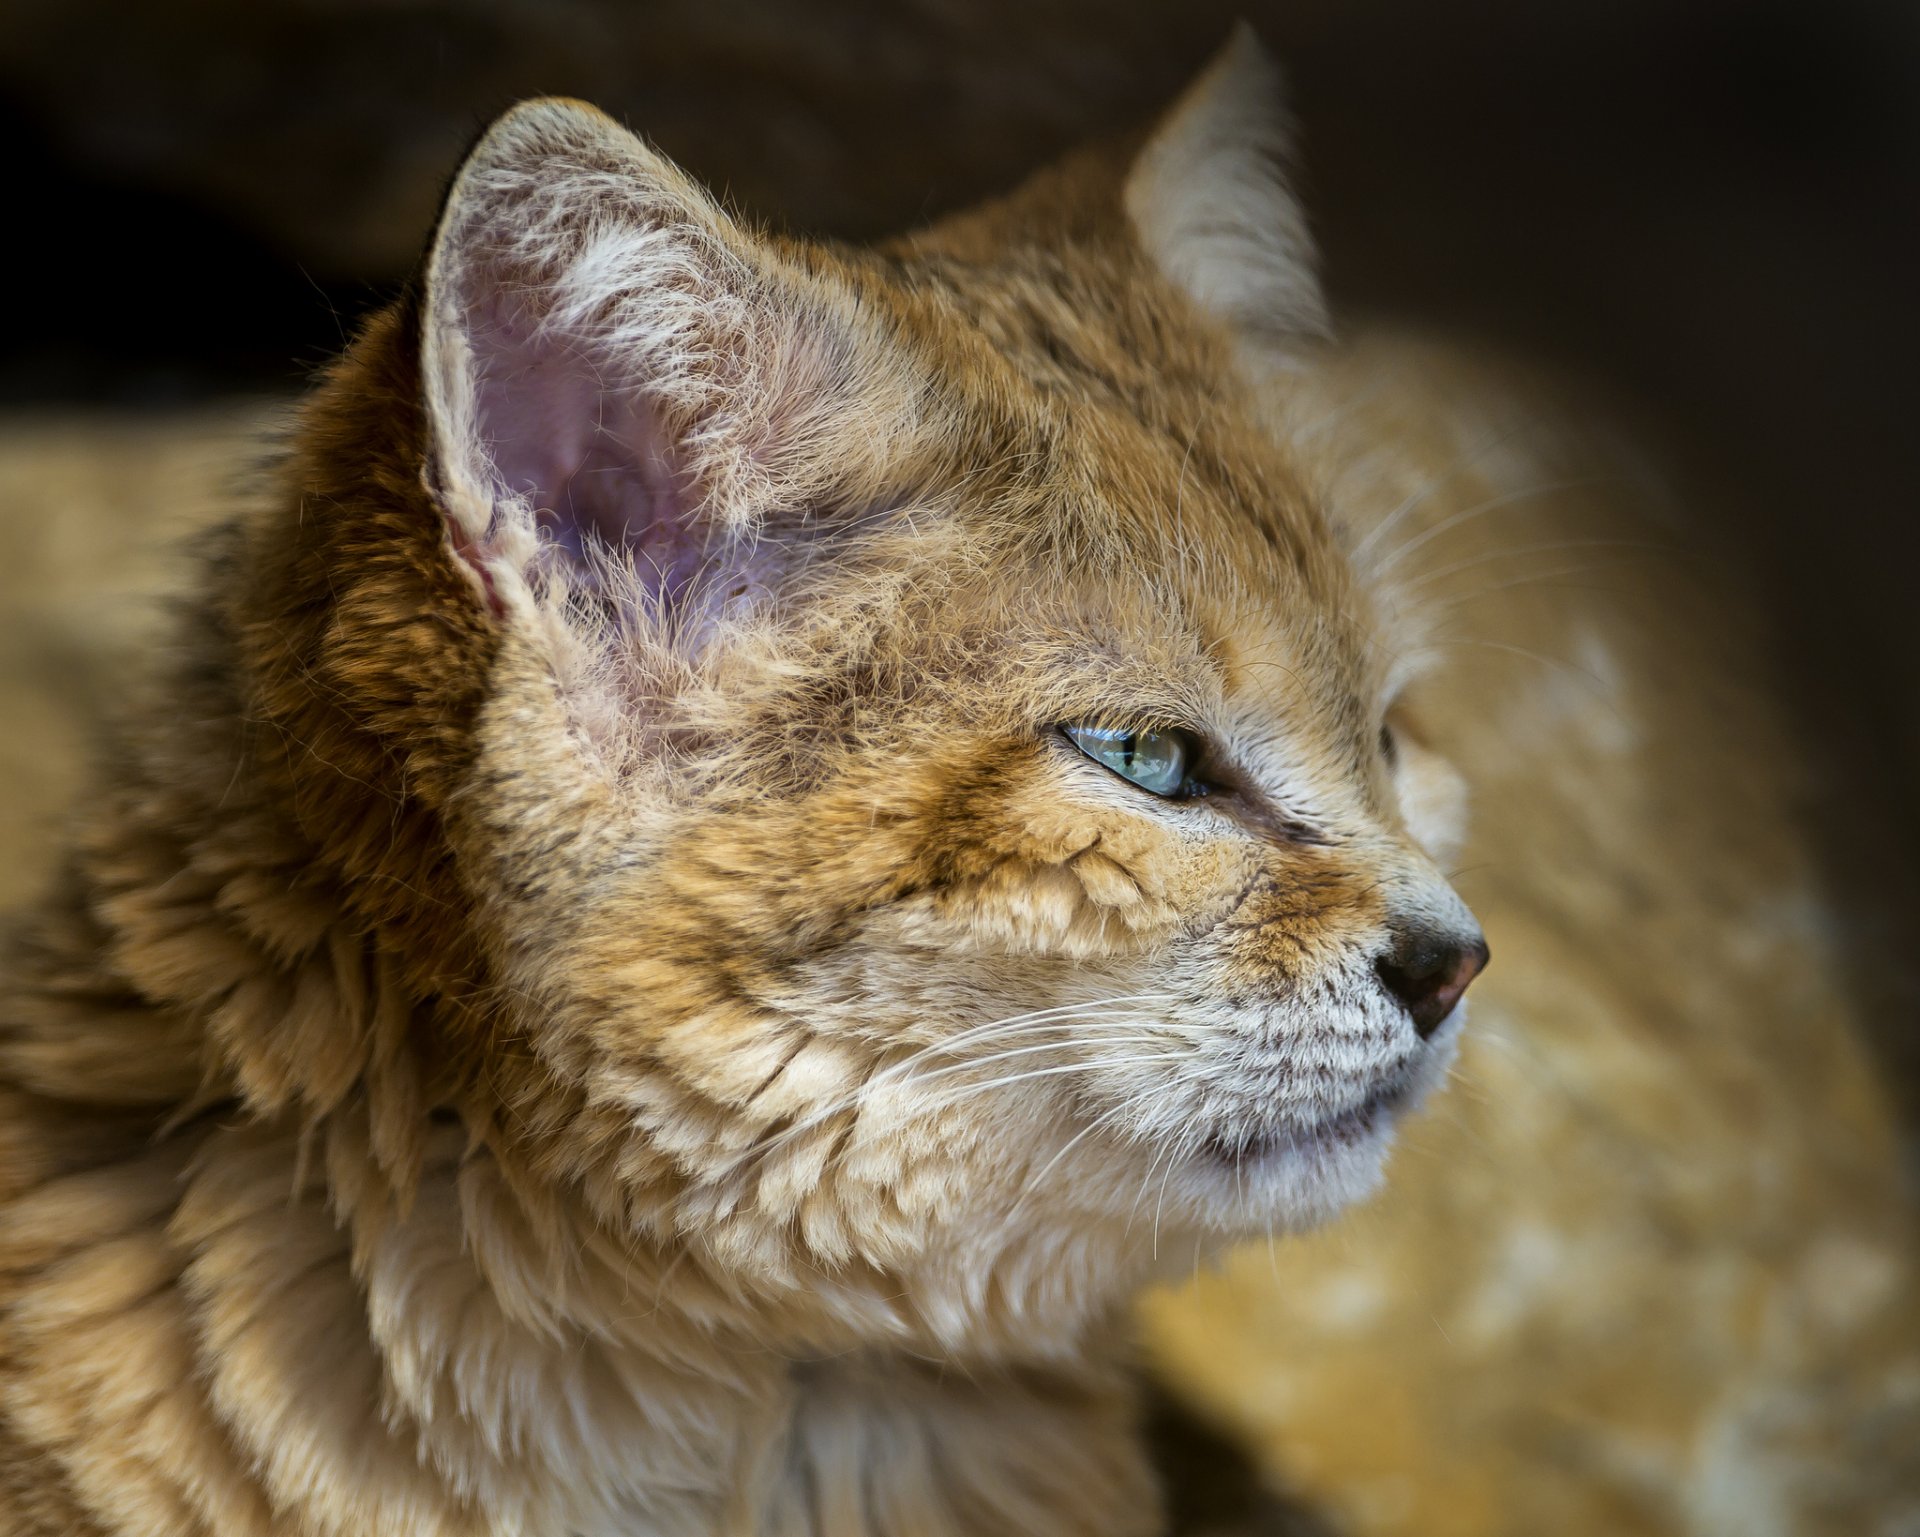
(1709, 210)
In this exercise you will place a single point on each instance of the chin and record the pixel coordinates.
(1250, 1182)
(1295, 1182)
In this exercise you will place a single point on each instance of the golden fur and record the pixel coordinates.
(533, 1043)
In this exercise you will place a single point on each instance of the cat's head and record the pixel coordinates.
(931, 802)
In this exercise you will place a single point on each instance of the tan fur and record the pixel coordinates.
(502, 1062)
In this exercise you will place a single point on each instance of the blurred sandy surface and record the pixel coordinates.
(94, 516)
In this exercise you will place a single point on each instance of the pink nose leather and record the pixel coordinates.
(1428, 974)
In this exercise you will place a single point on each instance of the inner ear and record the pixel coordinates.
(632, 399)
(589, 455)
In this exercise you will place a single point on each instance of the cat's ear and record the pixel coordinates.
(618, 375)
(1209, 198)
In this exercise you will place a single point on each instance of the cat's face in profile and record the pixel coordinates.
(935, 802)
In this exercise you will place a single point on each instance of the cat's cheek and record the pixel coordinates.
(1096, 904)
(1026, 907)
(1030, 907)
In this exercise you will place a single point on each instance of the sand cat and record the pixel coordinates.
(750, 840)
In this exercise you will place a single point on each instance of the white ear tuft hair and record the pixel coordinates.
(1209, 199)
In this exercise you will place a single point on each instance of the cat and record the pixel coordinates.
(750, 841)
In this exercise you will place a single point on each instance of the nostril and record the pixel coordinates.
(1428, 973)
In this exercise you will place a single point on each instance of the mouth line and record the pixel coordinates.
(1341, 1130)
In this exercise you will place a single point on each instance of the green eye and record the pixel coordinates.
(1157, 761)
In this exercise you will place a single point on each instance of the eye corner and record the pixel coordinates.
(1389, 745)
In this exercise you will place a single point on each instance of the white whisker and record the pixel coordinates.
(1480, 509)
(1431, 485)
(1098, 1064)
(1487, 557)
(1536, 578)
(1034, 1022)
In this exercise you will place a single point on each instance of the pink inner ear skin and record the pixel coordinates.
(590, 457)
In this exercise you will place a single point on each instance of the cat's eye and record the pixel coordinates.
(1160, 762)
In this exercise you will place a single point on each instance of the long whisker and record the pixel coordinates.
(974, 1090)
(952, 1042)
(1479, 510)
(1532, 579)
(1429, 486)
(1119, 1112)
(1603, 691)
(1017, 1025)
(1487, 557)
(974, 1064)
(1105, 1118)
(1170, 1150)
(1160, 1204)
(1173, 1149)
(868, 1086)
(1052, 1015)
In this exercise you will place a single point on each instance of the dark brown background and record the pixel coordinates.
(1709, 207)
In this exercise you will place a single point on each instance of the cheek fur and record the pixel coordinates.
(1061, 877)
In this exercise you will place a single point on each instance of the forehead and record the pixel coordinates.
(1111, 447)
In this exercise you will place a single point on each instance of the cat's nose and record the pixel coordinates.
(1428, 971)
